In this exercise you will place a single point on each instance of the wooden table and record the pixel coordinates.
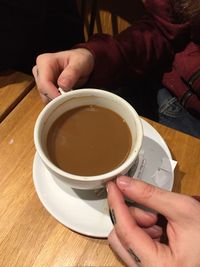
(14, 86)
(29, 235)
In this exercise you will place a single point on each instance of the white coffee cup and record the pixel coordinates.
(82, 97)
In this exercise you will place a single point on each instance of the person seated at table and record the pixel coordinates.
(136, 236)
(29, 28)
(163, 46)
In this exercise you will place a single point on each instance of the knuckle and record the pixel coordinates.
(190, 206)
(42, 57)
(34, 71)
(111, 237)
(73, 71)
(148, 191)
(39, 59)
(41, 87)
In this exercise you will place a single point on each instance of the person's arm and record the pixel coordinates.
(146, 47)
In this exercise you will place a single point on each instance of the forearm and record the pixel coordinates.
(146, 47)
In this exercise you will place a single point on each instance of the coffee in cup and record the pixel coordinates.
(89, 140)
(115, 128)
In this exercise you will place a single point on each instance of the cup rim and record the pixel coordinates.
(113, 173)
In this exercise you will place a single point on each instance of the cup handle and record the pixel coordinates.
(61, 91)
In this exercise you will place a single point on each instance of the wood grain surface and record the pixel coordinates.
(14, 86)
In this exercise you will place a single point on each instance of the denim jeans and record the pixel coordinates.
(172, 114)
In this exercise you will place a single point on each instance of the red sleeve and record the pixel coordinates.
(142, 49)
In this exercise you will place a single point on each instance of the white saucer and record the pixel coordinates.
(84, 211)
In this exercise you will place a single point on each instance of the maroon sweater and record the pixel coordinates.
(153, 46)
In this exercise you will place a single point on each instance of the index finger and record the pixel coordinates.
(172, 205)
(46, 75)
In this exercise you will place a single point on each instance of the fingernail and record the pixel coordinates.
(65, 83)
(156, 228)
(151, 213)
(123, 181)
(62, 79)
(107, 187)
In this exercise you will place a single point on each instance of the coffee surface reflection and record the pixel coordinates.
(88, 141)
